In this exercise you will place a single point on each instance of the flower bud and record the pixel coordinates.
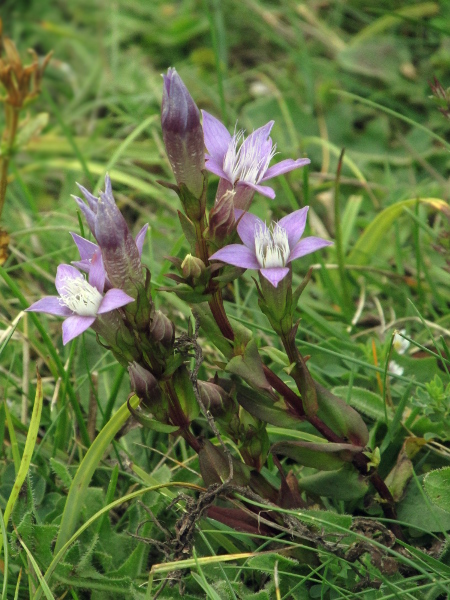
(182, 133)
(162, 329)
(144, 384)
(192, 268)
(215, 398)
(222, 222)
(120, 254)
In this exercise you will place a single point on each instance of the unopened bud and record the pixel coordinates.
(222, 222)
(162, 329)
(192, 268)
(183, 133)
(215, 398)
(144, 384)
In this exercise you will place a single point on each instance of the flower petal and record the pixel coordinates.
(91, 199)
(63, 273)
(140, 239)
(75, 325)
(113, 299)
(306, 246)
(215, 167)
(275, 274)
(294, 224)
(97, 273)
(262, 189)
(217, 137)
(85, 247)
(247, 226)
(258, 140)
(237, 255)
(89, 214)
(50, 305)
(284, 167)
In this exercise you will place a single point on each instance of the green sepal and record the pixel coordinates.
(340, 417)
(325, 457)
(276, 303)
(185, 393)
(249, 366)
(202, 312)
(194, 206)
(264, 408)
(188, 229)
(299, 290)
(228, 274)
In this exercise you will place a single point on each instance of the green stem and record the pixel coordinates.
(300, 374)
(9, 135)
(177, 416)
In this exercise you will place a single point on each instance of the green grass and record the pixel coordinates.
(350, 75)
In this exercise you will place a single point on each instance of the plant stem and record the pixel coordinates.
(9, 135)
(300, 374)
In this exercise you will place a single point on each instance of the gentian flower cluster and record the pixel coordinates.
(115, 300)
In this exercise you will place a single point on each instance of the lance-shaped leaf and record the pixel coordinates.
(215, 468)
(202, 312)
(185, 393)
(345, 484)
(403, 470)
(325, 457)
(341, 417)
(262, 407)
(239, 520)
(249, 366)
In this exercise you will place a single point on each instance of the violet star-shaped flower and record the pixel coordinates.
(270, 249)
(120, 255)
(88, 250)
(79, 300)
(244, 162)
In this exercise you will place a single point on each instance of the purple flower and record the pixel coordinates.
(120, 254)
(270, 249)
(79, 300)
(88, 250)
(243, 163)
(182, 133)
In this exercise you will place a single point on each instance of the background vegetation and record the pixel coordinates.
(332, 75)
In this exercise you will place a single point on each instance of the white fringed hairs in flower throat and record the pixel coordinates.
(80, 297)
(271, 245)
(247, 162)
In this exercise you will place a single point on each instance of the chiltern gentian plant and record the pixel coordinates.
(270, 249)
(243, 164)
(79, 300)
